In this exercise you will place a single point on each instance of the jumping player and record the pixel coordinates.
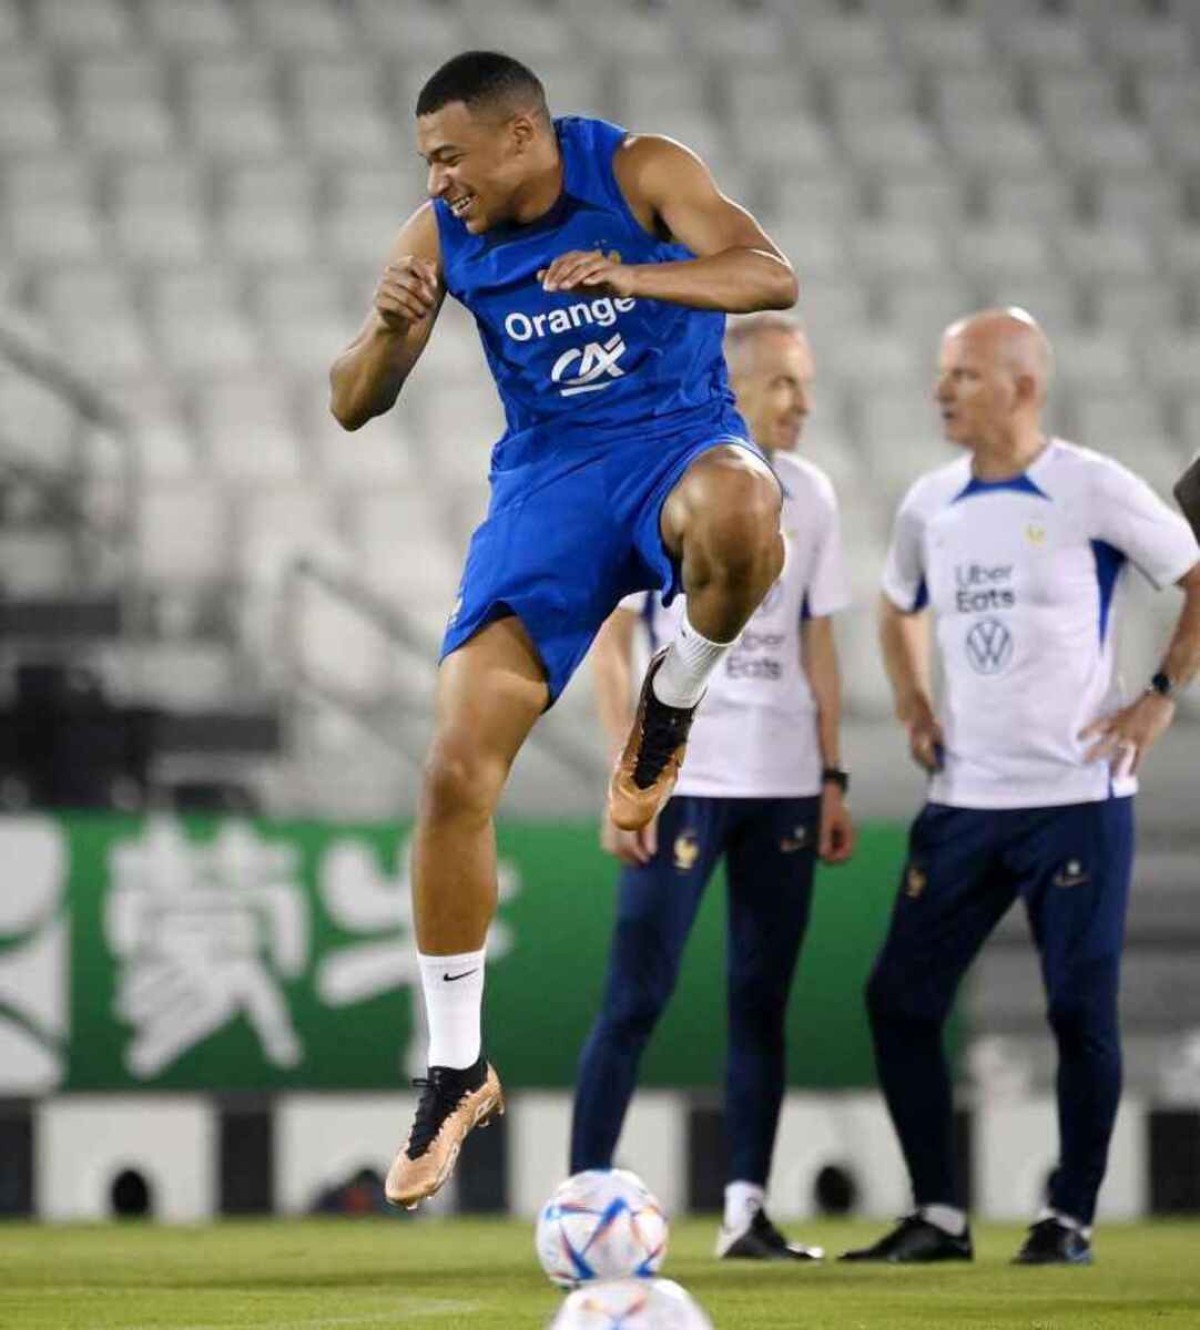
(599, 266)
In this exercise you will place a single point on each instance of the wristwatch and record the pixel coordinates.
(1162, 684)
(836, 776)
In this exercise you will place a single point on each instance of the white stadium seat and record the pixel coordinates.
(1002, 251)
(196, 198)
(193, 25)
(184, 534)
(94, 25)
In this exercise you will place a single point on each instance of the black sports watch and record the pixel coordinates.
(836, 776)
(1162, 684)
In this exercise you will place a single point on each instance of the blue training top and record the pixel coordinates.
(576, 367)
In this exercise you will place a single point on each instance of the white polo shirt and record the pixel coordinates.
(1025, 580)
(755, 734)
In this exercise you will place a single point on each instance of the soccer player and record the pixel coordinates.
(599, 266)
(1017, 551)
(761, 787)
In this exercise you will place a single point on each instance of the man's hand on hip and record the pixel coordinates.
(1125, 736)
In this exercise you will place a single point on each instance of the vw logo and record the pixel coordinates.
(989, 646)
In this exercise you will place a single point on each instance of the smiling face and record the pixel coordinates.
(772, 376)
(479, 161)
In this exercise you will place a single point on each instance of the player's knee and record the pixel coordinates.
(737, 534)
(459, 781)
(892, 1002)
(631, 1021)
(757, 1012)
(1081, 1025)
(1082, 1004)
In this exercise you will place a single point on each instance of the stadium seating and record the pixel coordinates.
(195, 197)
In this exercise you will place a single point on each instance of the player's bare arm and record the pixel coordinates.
(673, 194)
(367, 377)
(819, 652)
(1128, 734)
(904, 640)
(612, 671)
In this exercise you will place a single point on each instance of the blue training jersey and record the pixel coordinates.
(575, 367)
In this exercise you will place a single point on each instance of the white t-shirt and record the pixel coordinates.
(755, 734)
(1024, 578)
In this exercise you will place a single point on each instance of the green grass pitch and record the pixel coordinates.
(430, 1274)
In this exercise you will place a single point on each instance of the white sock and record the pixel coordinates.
(946, 1217)
(690, 659)
(743, 1200)
(1067, 1221)
(453, 987)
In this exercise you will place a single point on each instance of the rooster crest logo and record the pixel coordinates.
(914, 882)
(687, 851)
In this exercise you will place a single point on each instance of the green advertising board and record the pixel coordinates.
(227, 954)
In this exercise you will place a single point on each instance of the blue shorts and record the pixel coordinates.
(566, 537)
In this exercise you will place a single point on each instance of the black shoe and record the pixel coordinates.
(1051, 1242)
(649, 764)
(916, 1239)
(762, 1241)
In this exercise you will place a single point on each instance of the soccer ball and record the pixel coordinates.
(601, 1224)
(631, 1304)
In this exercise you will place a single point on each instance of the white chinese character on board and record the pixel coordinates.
(361, 898)
(33, 954)
(205, 933)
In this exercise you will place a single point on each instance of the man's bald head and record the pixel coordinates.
(994, 374)
(1013, 338)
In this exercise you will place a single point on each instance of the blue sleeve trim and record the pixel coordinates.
(922, 597)
(1109, 562)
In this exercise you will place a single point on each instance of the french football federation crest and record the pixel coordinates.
(687, 851)
(915, 881)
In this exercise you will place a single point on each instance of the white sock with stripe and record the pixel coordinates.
(743, 1200)
(690, 659)
(946, 1217)
(453, 988)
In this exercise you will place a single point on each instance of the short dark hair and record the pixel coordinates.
(477, 78)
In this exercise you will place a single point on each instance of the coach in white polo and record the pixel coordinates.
(761, 788)
(1017, 552)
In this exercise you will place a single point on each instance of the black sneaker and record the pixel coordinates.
(1051, 1242)
(762, 1241)
(916, 1239)
(648, 767)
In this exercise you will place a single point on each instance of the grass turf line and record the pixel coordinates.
(439, 1274)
